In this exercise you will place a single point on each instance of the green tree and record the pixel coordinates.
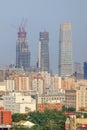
(48, 120)
(18, 117)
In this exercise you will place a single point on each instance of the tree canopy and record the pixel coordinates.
(47, 120)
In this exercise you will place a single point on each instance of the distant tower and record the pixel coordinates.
(85, 70)
(43, 51)
(65, 50)
(78, 70)
(22, 52)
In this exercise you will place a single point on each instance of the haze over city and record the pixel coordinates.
(42, 15)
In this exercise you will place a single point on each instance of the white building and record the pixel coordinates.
(10, 85)
(18, 103)
(56, 98)
(37, 84)
(47, 77)
(3, 86)
(55, 82)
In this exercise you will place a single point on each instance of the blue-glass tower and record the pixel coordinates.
(43, 52)
(85, 70)
(65, 50)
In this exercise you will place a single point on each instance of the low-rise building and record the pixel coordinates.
(5, 117)
(70, 98)
(43, 107)
(19, 103)
(53, 98)
(76, 98)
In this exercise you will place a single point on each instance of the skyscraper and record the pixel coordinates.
(78, 71)
(22, 52)
(85, 70)
(43, 51)
(65, 50)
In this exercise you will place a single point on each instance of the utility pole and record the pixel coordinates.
(36, 101)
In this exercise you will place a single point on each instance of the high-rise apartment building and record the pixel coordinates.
(65, 50)
(22, 52)
(43, 52)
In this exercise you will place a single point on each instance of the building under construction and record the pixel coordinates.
(22, 51)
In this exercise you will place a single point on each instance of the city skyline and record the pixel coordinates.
(42, 15)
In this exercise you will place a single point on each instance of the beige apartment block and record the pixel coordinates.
(38, 85)
(22, 83)
(55, 82)
(68, 83)
(81, 98)
(47, 78)
(3, 86)
(10, 85)
(77, 98)
(81, 83)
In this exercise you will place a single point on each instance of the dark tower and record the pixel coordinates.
(85, 70)
(22, 52)
(43, 55)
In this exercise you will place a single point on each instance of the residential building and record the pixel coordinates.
(52, 98)
(2, 75)
(43, 51)
(38, 85)
(77, 98)
(47, 81)
(55, 82)
(22, 83)
(81, 98)
(68, 83)
(22, 51)
(3, 86)
(19, 103)
(70, 98)
(10, 85)
(65, 50)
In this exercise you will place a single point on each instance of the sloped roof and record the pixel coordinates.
(26, 123)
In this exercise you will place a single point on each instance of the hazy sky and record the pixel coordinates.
(42, 15)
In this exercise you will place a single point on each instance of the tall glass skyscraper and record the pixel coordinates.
(22, 52)
(85, 70)
(43, 51)
(65, 50)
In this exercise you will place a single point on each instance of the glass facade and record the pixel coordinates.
(65, 50)
(44, 51)
(22, 52)
(85, 70)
